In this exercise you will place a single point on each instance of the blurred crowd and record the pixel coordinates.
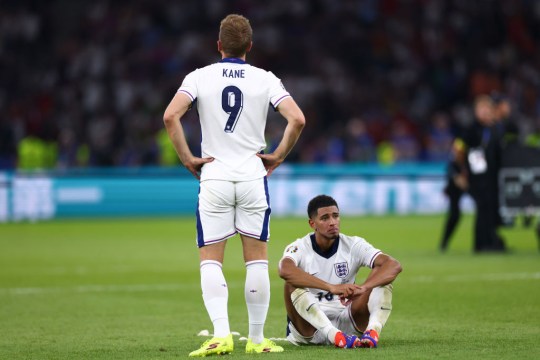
(85, 83)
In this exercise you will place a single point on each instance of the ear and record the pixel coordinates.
(219, 46)
(249, 47)
(311, 223)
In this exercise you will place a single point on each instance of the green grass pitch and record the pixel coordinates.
(129, 289)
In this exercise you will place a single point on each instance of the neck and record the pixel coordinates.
(324, 242)
(223, 56)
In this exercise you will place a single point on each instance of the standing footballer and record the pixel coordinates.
(232, 99)
(324, 304)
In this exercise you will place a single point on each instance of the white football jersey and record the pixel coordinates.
(337, 266)
(232, 100)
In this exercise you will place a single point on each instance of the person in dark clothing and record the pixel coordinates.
(481, 149)
(456, 185)
(508, 133)
(8, 147)
(506, 129)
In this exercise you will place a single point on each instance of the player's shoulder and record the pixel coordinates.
(352, 240)
(206, 69)
(298, 243)
(269, 75)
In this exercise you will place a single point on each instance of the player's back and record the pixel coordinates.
(232, 101)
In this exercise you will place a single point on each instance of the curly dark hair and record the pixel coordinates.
(318, 202)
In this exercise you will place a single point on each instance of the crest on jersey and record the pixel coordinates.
(341, 269)
(292, 249)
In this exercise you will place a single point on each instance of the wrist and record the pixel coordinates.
(366, 287)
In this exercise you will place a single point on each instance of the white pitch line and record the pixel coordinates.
(207, 333)
(476, 277)
(94, 289)
(178, 286)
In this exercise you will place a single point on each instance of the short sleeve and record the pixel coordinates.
(189, 86)
(365, 253)
(277, 91)
(292, 252)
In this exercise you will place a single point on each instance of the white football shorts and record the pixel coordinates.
(228, 207)
(340, 317)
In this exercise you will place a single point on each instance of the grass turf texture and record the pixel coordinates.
(129, 289)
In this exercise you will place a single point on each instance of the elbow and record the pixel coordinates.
(169, 118)
(397, 267)
(282, 274)
(300, 121)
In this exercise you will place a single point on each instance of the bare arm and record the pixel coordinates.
(178, 106)
(298, 278)
(295, 123)
(385, 270)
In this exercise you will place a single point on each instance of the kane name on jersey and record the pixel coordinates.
(230, 73)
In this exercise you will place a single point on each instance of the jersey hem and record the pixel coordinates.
(276, 104)
(373, 258)
(187, 93)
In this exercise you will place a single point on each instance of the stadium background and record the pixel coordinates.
(378, 80)
(385, 86)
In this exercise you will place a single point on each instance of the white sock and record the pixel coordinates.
(215, 296)
(380, 307)
(257, 294)
(308, 307)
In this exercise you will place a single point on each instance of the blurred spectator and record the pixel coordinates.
(102, 68)
(360, 145)
(456, 186)
(8, 147)
(167, 154)
(405, 146)
(505, 127)
(35, 153)
(439, 138)
(533, 139)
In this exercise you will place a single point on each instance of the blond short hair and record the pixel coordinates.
(235, 34)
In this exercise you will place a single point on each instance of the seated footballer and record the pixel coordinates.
(324, 305)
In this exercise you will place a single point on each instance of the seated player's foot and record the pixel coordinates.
(343, 340)
(215, 346)
(266, 346)
(369, 339)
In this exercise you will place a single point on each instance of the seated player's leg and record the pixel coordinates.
(309, 324)
(370, 313)
(215, 220)
(252, 221)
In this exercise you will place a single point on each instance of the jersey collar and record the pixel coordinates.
(327, 255)
(232, 60)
